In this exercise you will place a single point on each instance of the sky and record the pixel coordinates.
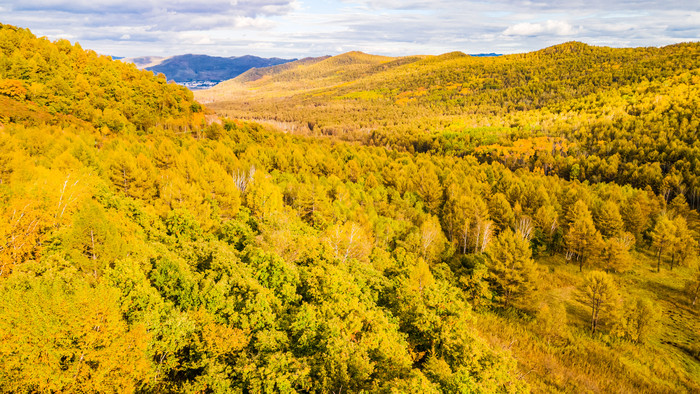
(300, 28)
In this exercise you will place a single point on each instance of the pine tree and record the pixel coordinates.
(511, 268)
(583, 241)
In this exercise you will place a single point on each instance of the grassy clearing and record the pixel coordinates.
(567, 357)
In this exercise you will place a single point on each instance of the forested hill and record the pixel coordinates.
(59, 83)
(624, 115)
(148, 247)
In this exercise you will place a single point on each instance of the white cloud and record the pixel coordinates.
(298, 28)
(559, 28)
(254, 23)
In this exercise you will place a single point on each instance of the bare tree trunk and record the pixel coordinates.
(92, 247)
(673, 260)
(487, 236)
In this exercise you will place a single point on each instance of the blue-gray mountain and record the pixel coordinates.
(201, 70)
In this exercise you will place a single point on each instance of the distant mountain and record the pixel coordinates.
(485, 54)
(189, 68)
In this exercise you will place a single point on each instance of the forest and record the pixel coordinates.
(356, 224)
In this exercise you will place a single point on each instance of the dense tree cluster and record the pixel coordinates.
(61, 78)
(600, 114)
(230, 257)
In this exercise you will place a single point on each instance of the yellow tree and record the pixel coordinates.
(428, 187)
(122, 171)
(663, 237)
(511, 267)
(582, 239)
(263, 197)
(21, 224)
(432, 240)
(610, 220)
(61, 334)
(684, 244)
(348, 241)
(599, 293)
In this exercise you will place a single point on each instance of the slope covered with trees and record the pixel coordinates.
(601, 114)
(187, 255)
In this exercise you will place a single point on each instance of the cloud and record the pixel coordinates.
(559, 28)
(150, 7)
(298, 28)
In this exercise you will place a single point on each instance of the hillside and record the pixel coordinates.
(454, 244)
(304, 77)
(258, 73)
(594, 98)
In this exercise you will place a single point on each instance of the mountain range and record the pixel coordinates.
(197, 71)
(203, 71)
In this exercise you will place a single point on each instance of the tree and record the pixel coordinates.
(639, 320)
(263, 197)
(615, 253)
(512, 270)
(432, 240)
(683, 243)
(94, 240)
(582, 239)
(348, 241)
(524, 228)
(12, 88)
(599, 293)
(21, 226)
(501, 212)
(609, 220)
(663, 236)
(61, 334)
(428, 187)
(420, 277)
(463, 214)
(636, 217)
(476, 286)
(122, 171)
(547, 221)
(692, 287)
(220, 189)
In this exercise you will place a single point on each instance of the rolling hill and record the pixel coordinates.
(438, 103)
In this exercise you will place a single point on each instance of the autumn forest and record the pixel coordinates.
(351, 224)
